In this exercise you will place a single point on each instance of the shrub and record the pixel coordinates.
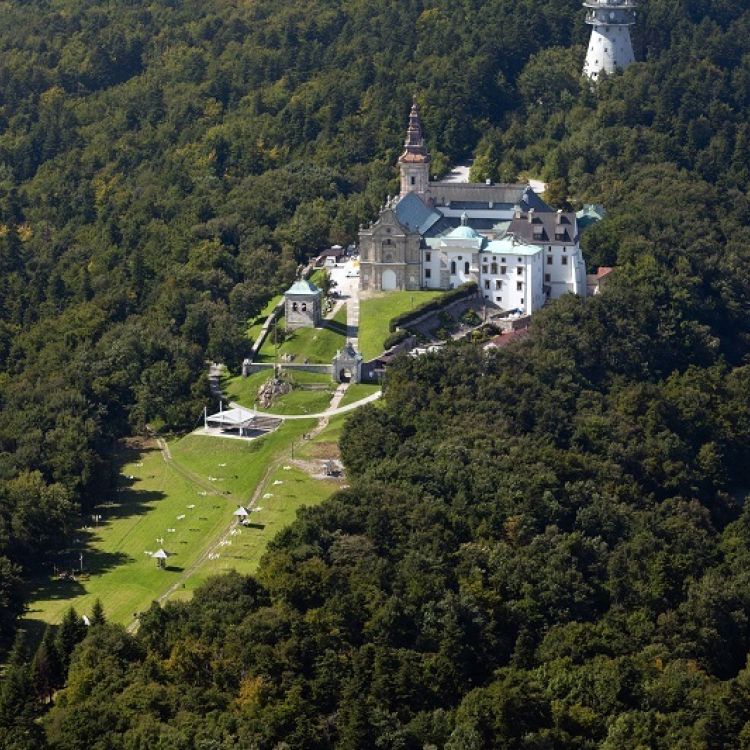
(395, 338)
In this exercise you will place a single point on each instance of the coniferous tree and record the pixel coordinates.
(97, 613)
(46, 668)
(70, 633)
(18, 711)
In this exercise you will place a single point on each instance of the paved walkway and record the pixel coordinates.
(348, 288)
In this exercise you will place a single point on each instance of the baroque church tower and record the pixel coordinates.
(610, 47)
(414, 163)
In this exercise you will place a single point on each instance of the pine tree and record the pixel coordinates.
(18, 652)
(18, 711)
(97, 614)
(70, 633)
(46, 669)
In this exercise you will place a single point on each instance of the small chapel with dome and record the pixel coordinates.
(437, 235)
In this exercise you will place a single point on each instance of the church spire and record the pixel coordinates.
(414, 162)
(414, 148)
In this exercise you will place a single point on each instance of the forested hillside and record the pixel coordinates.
(545, 547)
(164, 166)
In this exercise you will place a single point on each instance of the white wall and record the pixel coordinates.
(431, 280)
(530, 297)
(609, 48)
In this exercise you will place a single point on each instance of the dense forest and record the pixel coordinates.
(542, 547)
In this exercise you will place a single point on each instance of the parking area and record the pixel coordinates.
(346, 277)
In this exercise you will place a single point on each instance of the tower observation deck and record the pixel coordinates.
(610, 47)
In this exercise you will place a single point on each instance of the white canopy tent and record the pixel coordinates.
(237, 418)
(160, 556)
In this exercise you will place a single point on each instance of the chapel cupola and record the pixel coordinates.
(414, 162)
(610, 47)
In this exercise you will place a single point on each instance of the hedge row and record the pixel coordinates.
(465, 290)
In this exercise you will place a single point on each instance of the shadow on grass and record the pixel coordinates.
(174, 568)
(335, 326)
(124, 501)
(251, 525)
(49, 586)
(33, 629)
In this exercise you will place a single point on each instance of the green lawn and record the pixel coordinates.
(302, 402)
(375, 314)
(326, 443)
(144, 507)
(299, 401)
(244, 390)
(318, 276)
(289, 489)
(358, 391)
(316, 345)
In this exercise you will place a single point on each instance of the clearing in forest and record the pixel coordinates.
(181, 499)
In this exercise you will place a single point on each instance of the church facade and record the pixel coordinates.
(438, 235)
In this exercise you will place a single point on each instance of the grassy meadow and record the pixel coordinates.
(214, 476)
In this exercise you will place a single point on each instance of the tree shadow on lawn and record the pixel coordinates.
(33, 630)
(127, 502)
(62, 578)
(124, 500)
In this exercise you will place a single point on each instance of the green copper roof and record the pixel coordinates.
(510, 246)
(302, 286)
(463, 232)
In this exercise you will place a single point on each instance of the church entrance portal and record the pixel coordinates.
(345, 376)
(388, 281)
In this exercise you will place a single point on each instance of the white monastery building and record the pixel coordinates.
(610, 47)
(439, 235)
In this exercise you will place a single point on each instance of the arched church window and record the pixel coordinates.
(453, 267)
(294, 307)
(304, 307)
(466, 267)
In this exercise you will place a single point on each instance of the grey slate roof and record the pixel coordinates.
(468, 195)
(414, 215)
(551, 232)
